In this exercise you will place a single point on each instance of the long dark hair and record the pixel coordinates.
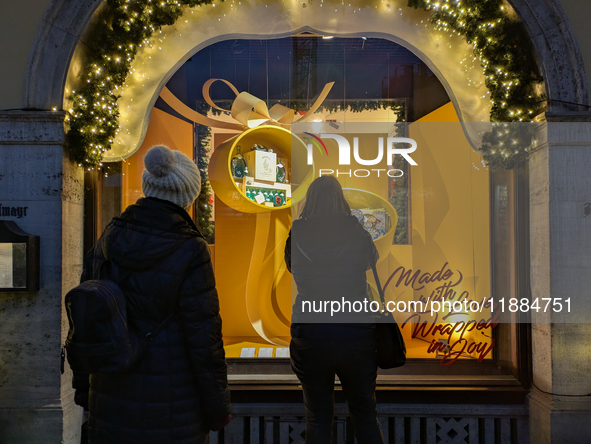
(324, 198)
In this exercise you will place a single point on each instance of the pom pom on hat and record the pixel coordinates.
(170, 175)
(159, 161)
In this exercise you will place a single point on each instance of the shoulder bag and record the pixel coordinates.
(391, 349)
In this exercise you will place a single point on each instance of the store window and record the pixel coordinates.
(468, 213)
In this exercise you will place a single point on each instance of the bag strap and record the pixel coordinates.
(302, 251)
(152, 335)
(372, 263)
(109, 270)
(376, 277)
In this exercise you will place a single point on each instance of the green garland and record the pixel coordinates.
(510, 69)
(94, 117)
(501, 42)
(331, 106)
(126, 25)
(203, 209)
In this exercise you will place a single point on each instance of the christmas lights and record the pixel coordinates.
(508, 63)
(93, 115)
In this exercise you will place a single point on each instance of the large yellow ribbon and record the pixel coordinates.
(249, 111)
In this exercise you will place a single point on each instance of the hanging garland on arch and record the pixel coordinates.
(510, 69)
(203, 205)
(127, 25)
(397, 107)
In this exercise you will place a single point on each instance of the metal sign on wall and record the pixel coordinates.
(19, 259)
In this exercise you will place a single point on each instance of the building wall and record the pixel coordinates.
(20, 20)
(36, 399)
(578, 13)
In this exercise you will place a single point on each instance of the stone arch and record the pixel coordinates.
(557, 51)
(67, 22)
(64, 25)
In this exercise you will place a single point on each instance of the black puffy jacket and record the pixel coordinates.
(328, 257)
(180, 383)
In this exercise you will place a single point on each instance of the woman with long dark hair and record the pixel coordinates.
(328, 252)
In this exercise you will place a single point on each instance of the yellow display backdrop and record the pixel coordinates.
(450, 202)
(163, 129)
(449, 225)
(448, 229)
(255, 256)
(253, 283)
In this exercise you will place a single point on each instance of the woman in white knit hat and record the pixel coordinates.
(178, 390)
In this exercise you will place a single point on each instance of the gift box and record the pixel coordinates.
(262, 165)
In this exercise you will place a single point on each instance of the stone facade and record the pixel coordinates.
(560, 239)
(36, 400)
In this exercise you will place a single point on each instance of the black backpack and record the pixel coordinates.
(99, 339)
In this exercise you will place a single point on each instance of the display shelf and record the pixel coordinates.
(283, 142)
(236, 349)
(241, 182)
(245, 184)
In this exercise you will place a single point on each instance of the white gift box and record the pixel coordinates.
(262, 165)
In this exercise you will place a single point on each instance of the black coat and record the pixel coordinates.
(180, 383)
(328, 257)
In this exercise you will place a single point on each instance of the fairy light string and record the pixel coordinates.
(499, 40)
(127, 26)
(511, 73)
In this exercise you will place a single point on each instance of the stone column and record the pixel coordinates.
(36, 400)
(560, 238)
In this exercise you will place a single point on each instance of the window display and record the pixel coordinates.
(420, 218)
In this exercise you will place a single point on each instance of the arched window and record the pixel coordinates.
(452, 213)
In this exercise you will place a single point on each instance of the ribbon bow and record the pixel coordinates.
(248, 110)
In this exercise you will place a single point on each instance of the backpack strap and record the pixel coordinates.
(109, 270)
(377, 279)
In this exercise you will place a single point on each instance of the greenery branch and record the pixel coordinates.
(511, 72)
(499, 40)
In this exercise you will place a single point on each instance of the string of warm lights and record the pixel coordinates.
(499, 41)
(508, 64)
(94, 116)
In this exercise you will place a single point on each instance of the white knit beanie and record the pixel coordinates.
(170, 175)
